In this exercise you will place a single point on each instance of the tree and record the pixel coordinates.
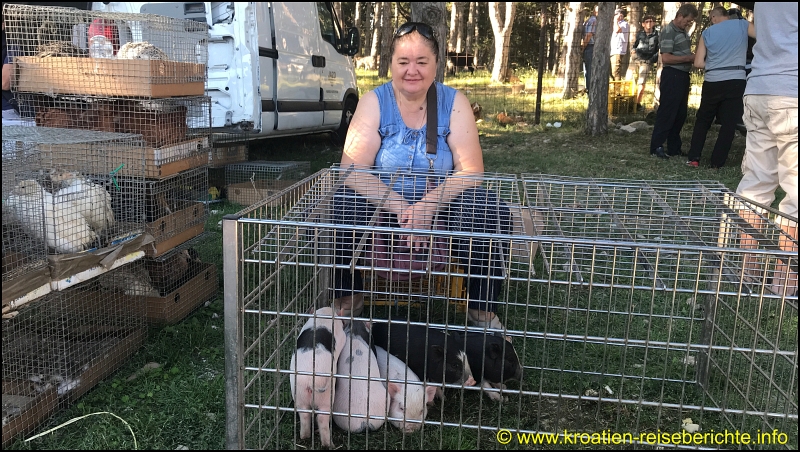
(573, 60)
(357, 21)
(376, 32)
(433, 14)
(634, 19)
(386, 38)
(470, 31)
(501, 15)
(555, 15)
(597, 113)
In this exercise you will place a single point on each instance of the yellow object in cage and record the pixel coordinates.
(621, 97)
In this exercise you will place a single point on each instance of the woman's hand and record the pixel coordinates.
(419, 215)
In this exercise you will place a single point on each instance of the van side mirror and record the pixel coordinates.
(353, 41)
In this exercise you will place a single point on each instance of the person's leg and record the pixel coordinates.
(759, 180)
(479, 212)
(668, 108)
(349, 209)
(729, 110)
(588, 53)
(683, 86)
(709, 101)
(783, 124)
(644, 72)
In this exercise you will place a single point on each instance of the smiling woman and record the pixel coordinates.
(417, 175)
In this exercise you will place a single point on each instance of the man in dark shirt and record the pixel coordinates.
(677, 57)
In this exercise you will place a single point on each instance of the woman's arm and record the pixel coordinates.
(360, 149)
(700, 54)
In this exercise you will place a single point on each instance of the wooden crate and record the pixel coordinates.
(24, 408)
(176, 305)
(222, 156)
(109, 77)
(249, 193)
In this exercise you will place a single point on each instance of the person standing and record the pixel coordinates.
(645, 54)
(619, 45)
(721, 51)
(677, 57)
(589, 28)
(770, 114)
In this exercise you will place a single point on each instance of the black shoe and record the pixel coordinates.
(675, 154)
(659, 152)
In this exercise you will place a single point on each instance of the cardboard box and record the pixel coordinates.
(109, 77)
(218, 157)
(249, 193)
(158, 162)
(176, 305)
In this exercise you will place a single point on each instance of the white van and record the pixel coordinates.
(274, 68)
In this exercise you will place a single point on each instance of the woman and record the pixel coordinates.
(395, 140)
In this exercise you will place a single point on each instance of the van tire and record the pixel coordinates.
(348, 110)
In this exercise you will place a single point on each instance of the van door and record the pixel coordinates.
(333, 72)
(298, 77)
(268, 65)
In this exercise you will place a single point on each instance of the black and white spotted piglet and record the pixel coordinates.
(313, 364)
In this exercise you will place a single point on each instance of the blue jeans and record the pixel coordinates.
(476, 210)
(588, 52)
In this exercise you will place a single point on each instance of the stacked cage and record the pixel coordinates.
(250, 182)
(182, 282)
(60, 346)
(68, 225)
(116, 72)
(638, 311)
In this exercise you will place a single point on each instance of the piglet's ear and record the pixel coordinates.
(393, 389)
(438, 351)
(430, 392)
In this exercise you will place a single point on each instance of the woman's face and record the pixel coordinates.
(413, 64)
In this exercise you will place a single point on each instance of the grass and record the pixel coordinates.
(182, 403)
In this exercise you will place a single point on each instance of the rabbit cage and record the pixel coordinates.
(635, 307)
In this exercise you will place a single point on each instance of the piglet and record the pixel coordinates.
(318, 348)
(407, 401)
(492, 359)
(360, 398)
(430, 353)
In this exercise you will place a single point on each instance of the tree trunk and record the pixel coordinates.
(433, 14)
(470, 31)
(460, 20)
(573, 55)
(541, 64)
(357, 21)
(501, 15)
(451, 36)
(386, 38)
(597, 112)
(634, 19)
(555, 36)
(337, 8)
(376, 32)
(562, 48)
(476, 36)
(670, 9)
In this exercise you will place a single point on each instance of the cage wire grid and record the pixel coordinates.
(68, 193)
(601, 341)
(64, 343)
(249, 182)
(127, 54)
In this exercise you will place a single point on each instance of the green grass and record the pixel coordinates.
(183, 402)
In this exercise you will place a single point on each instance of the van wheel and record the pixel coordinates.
(347, 115)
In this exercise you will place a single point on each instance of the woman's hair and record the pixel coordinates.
(426, 31)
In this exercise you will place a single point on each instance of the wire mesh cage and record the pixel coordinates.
(174, 207)
(222, 154)
(250, 182)
(66, 189)
(625, 312)
(161, 122)
(183, 282)
(70, 51)
(60, 346)
(24, 256)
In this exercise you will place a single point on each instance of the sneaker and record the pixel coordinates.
(693, 163)
(659, 152)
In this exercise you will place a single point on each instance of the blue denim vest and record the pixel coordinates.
(403, 150)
